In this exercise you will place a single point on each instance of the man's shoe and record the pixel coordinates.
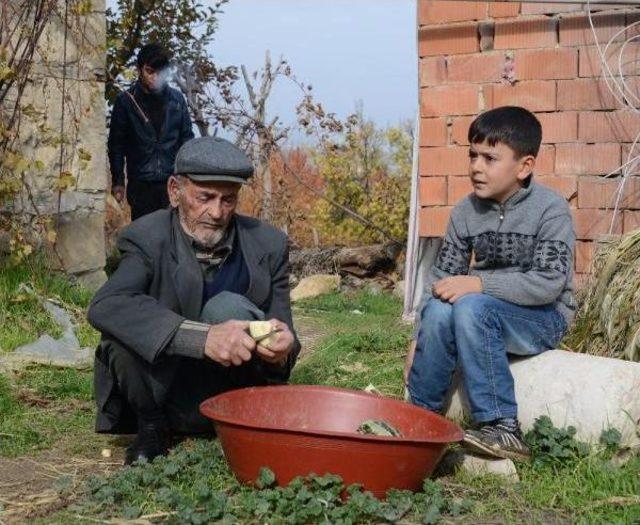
(152, 441)
(499, 439)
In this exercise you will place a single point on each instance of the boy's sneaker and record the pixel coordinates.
(500, 439)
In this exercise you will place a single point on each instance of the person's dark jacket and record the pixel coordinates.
(149, 157)
(158, 284)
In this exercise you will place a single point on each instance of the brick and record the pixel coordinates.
(590, 62)
(576, 31)
(433, 70)
(504, 9)
(433, 191)
(559, 127)
(631, 167)
(565, 185)
(433, 132)
(535, 95)
(460, 130)
(443, 11)
(631, 193)
(443, 101)
(523, 33)
(580, 280)
(633, 30)
(593, 7)
(434, 221)
(597, 192)
(584, 256)
(612, 126)
(450, 160)
(458, 189)
(545, 161)
(630, 221)
(546, 64)
(448, 40)
(588, 93)
(587, 159)
(475, 68)
(548, 8)
(593, 224)
(601, 192)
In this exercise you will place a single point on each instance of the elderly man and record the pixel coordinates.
(174, 315)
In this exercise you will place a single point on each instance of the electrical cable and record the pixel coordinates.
(624, 95)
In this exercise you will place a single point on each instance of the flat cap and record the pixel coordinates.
(211, 159)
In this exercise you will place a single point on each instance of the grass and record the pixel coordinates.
(23, 318)
(41, 405)
(44, 407)
(362, 349)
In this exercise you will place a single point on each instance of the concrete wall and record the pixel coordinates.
(65, 129)
(478, 55)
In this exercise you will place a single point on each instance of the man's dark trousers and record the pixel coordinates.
(146, 197)
(174, 387)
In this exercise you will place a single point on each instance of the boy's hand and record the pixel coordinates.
(450, 289)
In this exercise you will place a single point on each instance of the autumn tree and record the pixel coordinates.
(369, 173)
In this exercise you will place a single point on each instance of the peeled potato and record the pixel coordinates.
(260, 328)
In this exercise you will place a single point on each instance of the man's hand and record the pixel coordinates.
(409, 361)
(450, 289)
(229, 344)
(118, 193)
(279, 349)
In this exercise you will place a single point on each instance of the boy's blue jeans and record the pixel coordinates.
(476, 333)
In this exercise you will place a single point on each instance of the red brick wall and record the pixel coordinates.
(478, 55)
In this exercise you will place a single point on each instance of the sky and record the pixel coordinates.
(348, 50)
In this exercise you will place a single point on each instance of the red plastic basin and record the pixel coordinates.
(299, 430)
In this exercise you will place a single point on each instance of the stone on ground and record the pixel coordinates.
(477, 465)
(64, 351)
(315, 285)
(588, 392)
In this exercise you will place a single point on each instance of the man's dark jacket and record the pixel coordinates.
(150, 157)
(158, 285)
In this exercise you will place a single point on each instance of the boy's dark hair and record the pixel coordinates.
(153, 55)
(513, 126)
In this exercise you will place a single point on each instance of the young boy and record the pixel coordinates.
(502, 282)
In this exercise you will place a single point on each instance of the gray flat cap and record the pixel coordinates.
(213, 159)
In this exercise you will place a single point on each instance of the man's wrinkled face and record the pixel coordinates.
(205, 208)
(495, 171)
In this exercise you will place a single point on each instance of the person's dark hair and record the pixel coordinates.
(154, 56)
(513, 126)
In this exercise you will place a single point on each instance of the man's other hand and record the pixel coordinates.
(118, 193)
(279, 347)
(229, 343)
(450, 289)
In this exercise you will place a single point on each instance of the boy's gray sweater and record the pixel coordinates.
(522, 249)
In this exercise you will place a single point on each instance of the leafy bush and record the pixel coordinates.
(193, 486)
(554, 446)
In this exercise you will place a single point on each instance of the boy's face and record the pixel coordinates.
(495, 171)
